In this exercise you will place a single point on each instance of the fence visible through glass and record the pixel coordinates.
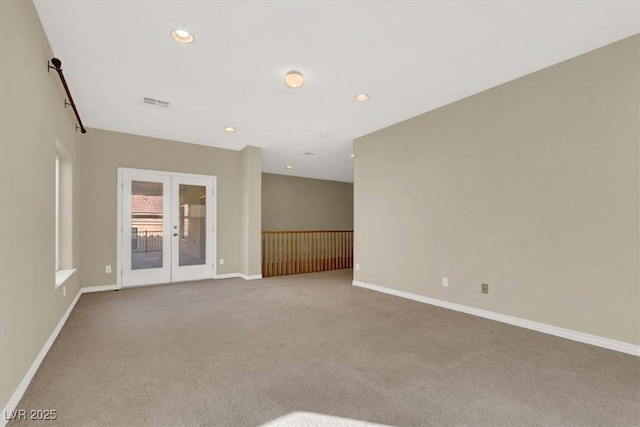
(147, 224)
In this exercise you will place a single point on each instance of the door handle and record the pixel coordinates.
(175, 234)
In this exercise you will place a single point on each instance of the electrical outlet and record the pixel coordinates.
(357, 267)
(484, 288)
(445, 281)
(221, 261)
(107, 269)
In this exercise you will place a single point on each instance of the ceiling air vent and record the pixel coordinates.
(156, 102)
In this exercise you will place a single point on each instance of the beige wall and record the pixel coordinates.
(104, 151)
(250, 195)
(32, 117)
(531, 187)
(293, 203)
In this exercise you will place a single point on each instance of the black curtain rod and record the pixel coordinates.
(57, 65)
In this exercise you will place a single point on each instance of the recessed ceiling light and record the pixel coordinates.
(229, 129)
(361, 97)
(288, 167)
(352, 155)
(294, 79)
(323, 134)
(182, 36)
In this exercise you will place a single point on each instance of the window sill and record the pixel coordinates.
(63, 275)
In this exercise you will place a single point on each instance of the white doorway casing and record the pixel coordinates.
(172, 258)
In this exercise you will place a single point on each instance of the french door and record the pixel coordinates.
(168, 227)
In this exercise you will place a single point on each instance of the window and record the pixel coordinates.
(184, 221)
(63, 216)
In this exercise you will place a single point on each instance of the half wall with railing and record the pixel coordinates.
(305, 251)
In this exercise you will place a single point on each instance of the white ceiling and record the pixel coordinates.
(410, 56)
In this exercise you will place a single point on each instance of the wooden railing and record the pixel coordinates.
(295, 252)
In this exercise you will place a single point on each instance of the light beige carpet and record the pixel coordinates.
(234, 352)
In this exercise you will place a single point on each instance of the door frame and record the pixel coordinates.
(119, 220)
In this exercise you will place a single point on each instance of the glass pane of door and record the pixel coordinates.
(192, 225)
(147, 224)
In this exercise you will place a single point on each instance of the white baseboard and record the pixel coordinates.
(226, 276)
(233, 275)
(88, 289)
(511, 320)
(251, 277)
(26, 380)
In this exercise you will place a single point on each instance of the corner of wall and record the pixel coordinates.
(250, 211)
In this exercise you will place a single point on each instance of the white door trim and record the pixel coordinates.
(119, 219)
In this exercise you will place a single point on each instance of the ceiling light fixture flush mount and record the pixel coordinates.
(229, 129)
(288, 167)
(294, 79)
(182, 36)
(361, 97)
